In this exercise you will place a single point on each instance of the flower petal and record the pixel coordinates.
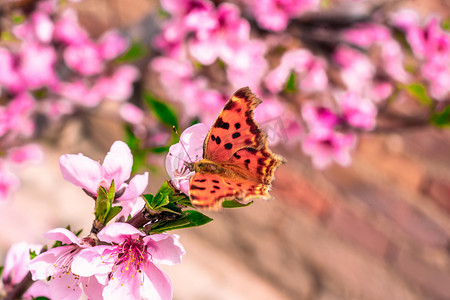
(118, 163)
(156, 284)
(165, 248)
(135, 188)
(42, 265)
(62, 235)
(81, 171)
(90, 262)
(118, 232)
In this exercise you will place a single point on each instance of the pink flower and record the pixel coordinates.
(221, 38)
(58, 264)
(357, 70)
(90, 175)
(319, 117)
(16, 268)
(309, 69)
(188, 150)
(8, 182)
(326, 146)
(9, 76)
(15, 118)
(68, 31)
(31, 153)
(131, 113)
(365, 35)
(84, 58)
(181, 9)
(119, 86)
(127, 267)
(112, 44)
(275, 14)
(358, 112)
(38, 28)
(37, 64)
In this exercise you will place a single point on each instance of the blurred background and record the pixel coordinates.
(375, 228)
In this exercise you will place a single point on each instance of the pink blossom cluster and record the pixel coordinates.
(430, 45)
(120, 263)
(52, 68)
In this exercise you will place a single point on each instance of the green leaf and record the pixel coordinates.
(18, 19)
(171, 208)
(419, 91)
(112, 213)
(446, 24)
(1, 270)
(33, 254)
(189, 218)
(182, 200)
(442, 118)
(78, 232)
(159, 150)
(102, 205)
(234, 204)
(41, 298)
(291, 84)
(136, 51)
(111, 192)
(165, 114)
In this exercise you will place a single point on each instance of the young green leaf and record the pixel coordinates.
(291, 84)
(136, 51)
(419, 92)
(114, 211)
(189, 218)
(234, 204)
(442, 118)
(165, 114)
(102, 205)
(111, 192)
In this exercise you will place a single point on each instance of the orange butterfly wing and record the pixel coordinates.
(237, 164)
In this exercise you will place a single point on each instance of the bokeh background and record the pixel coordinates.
(378, 229)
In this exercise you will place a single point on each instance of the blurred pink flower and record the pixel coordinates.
(16, 268)
(112, 44)
(84, 58)
(275, 14)
(79, 92)
(9, 76)
(319, 117)
(31, 153)
(309, 69)
(37, 65)
(366, 34)
(16, 117)
(127, 267)
(357, 111)
(181, 9)
(59, 263)
(131, 113)
(90, 175)
(221, 38)
(188, 150)
(356, 69)
(119, 86)
(68, 30)
(8, 182)
(380, 91)
(39, 28)
(326, 146)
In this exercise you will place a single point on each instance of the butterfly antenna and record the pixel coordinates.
(181, 142)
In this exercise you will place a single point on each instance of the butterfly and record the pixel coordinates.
(236, 164)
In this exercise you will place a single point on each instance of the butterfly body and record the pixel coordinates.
(236, 164)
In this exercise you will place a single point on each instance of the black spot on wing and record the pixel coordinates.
(200, 180)
(230, 105)
(218, 140)
(228, 146)
(237, 125)
(236, 155)
(236, 135)
(194, 187)
(221, 124)
(215, 181)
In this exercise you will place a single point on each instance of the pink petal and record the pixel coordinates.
(165, 248)
(135, 188)
(16, 261)
(63, 235)
(131, 113)
(92, 288)
(118, 232)
(42, 265)
(81, 171)
(89, 262)
(156, 284)
(31, 153)
(118, 163)
(65, 287)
